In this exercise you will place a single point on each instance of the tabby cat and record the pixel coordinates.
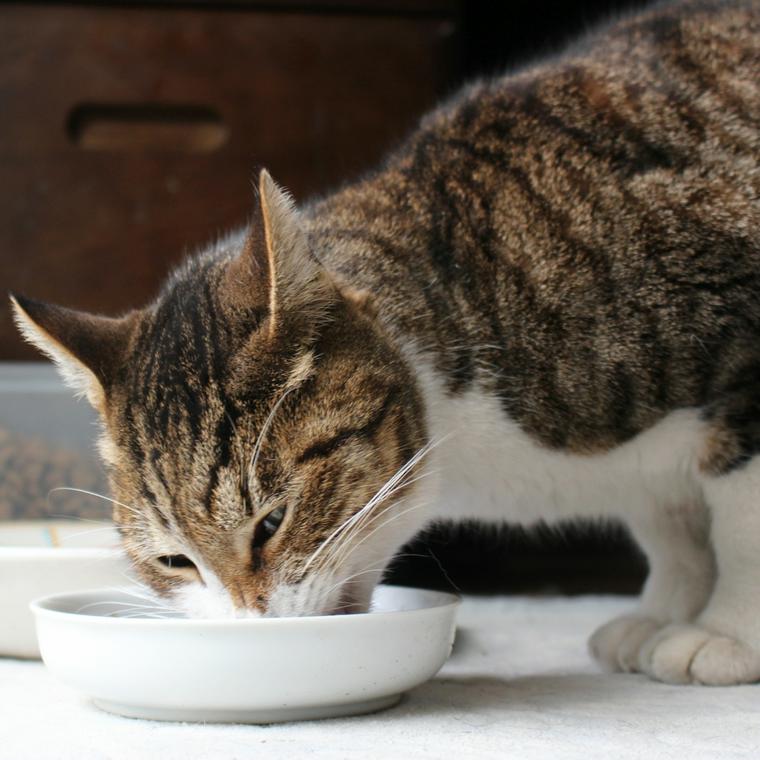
(545, 305)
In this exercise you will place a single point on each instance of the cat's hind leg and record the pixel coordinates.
(681, 576)
(722, 645)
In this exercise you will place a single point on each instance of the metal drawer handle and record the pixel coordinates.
(146, 127)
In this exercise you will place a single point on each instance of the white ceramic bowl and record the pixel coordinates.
(245, 670)
(44, 557)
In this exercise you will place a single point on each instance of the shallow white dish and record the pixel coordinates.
(43, 557)
(245, 670)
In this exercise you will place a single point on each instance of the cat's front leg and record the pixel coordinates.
(722, 645)
(681, 575)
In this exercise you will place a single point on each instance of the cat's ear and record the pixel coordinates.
(295, 285)
(85, 348)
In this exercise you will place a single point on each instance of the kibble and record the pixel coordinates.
(30, 467)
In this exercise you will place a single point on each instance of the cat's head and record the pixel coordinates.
(254, 417)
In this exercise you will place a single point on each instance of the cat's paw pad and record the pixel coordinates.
(616, 644)
(682, 654)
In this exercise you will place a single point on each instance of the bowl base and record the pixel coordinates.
(272, 715)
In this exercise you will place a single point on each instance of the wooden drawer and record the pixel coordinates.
(130, 134)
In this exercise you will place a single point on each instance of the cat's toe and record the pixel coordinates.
(681, 654)
(724, 661)
(616, 644)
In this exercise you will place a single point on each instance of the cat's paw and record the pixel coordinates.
(616, 644)
(683, 653)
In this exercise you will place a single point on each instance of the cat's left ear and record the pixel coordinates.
(292, 282)
(86, 348)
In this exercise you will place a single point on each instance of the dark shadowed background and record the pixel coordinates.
(129, 136)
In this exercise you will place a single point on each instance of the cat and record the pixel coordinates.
(543, 306)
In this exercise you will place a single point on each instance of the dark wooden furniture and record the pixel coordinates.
(130, 132)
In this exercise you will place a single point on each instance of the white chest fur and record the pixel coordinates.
(488, 468)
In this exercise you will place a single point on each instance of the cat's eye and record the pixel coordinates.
(175, 561)
(268, 526)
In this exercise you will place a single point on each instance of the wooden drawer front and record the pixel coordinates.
(129, 135)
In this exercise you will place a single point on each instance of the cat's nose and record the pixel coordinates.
(244, 599)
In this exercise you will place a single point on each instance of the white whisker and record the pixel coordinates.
(82, 490)
(150, 596)
(374, 501)
(76, 518)
(69, 536)
(335, 556)
(263, 432)
(96, 495)
(364, 516)
(382, 525)
(107, 603)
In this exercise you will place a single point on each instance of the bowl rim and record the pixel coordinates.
(446, 601)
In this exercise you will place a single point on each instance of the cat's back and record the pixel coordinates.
(672, 90)
(643, 133)
(587, 228)
(655, 111)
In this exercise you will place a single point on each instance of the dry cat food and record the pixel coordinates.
(30, 467)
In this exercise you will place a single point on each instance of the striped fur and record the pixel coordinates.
(564, 260)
